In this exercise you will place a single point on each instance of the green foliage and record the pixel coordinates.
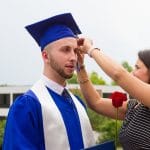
(108, 129)
(103, 125)
(96, 79)
(2, 125)
(95, 120)
(113, 83)
(73, 80)
(78, 93)
(126, 65)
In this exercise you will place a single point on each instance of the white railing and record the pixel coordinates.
(11, 90)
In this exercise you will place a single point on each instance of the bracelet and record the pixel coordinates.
(91, 50)
(84, 81)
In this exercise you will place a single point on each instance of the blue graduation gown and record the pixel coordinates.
(24, 126)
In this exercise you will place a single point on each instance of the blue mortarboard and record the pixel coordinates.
(54, 28)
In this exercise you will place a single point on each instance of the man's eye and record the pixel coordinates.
(66, 49)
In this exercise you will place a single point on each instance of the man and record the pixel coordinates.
(44, 118)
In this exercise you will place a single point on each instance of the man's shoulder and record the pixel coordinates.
(28, 99)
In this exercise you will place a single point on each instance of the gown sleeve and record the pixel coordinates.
(24, 127)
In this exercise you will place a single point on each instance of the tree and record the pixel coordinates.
(93, 77)
(73, 80)
(126, 65)
(96, 79)
(2, 125)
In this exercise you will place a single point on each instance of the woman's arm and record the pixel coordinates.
(135, 87)
(95, 101)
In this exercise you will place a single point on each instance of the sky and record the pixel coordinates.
(119, 27)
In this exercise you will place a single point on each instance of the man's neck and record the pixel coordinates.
(56, 79)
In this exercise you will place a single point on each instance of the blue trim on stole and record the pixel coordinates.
(71, 120)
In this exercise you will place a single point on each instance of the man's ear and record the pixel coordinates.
(44, 55)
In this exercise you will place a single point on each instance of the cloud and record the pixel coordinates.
(120, 28)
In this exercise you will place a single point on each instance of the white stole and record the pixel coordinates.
(55, 133)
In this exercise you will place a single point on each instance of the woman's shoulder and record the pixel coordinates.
(132, 103)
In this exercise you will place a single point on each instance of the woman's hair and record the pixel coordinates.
(144, 56)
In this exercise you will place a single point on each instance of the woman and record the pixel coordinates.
(135, 131)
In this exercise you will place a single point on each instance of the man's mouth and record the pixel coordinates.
(70, 67)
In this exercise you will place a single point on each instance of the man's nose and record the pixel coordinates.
(73, 55)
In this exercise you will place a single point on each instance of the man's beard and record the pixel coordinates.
(59, 70)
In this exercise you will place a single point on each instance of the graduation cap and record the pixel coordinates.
(54, 28)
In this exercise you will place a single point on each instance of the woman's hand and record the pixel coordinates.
(80, 58)
(85, 45)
